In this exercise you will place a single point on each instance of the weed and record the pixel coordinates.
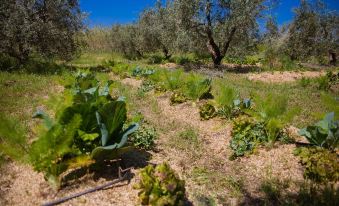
(304, 81)
(196, 87)
(173, 79)
(145, 137)
(273, 189)
(155, 59)
(234, 185)
(13, 141)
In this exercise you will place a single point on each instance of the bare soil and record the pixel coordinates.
(281, 77)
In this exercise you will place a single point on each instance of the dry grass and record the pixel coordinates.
(281, 77)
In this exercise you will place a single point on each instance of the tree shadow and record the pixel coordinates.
(109, 170)
(237, 69)
(309, 194)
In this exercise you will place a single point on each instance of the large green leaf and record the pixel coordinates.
(325, 133)
(101, 152)
(111, 118)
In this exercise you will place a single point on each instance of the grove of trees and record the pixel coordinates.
(214, 28)
(46, 28)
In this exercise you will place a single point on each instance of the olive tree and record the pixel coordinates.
(159, 29)
(222, 24)
(313, 31)
(126, 39)
(45, 27)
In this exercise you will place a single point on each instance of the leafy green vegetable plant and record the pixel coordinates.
(160, 186)
(321, 165)
(177, 98)
(145, 137)
(247, 134)
(146, 86)
(325, 133)
(228, 103)
(207, 111)
(89, 129)
(139, 72)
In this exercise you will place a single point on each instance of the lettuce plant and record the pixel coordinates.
(177, 98)
(207, 111)
(321, 165)
(160, 186)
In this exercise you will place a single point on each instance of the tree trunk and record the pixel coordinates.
(332, 57)
(214, 50)
(166, 53)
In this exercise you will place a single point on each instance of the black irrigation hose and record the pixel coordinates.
(64, 199)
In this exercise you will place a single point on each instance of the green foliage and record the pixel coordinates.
(177, 98)
(155, 59)
(224, 97)
(321, 165)
(196, 87)
(8, 63)
(272, 109)
(121, 69)
(88, 128)
(109, 63)
(331, 103)
(314, 195)
(26, 32)
(247, 134)
(145, 137)
(304, 81)
(181, 60)
(160, 186)
(229, 105)
(326, 82)
(207, 111)
(48, 152)
(323, 83)
(13, 141)
(139, 72)
(173, 80)
(146, 86)
(325, 133)
(247, 60)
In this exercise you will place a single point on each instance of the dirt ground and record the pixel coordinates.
(280, 77)
(205, 165)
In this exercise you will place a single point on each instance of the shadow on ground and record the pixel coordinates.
(109, 170)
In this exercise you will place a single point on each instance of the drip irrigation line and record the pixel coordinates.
(65, 199)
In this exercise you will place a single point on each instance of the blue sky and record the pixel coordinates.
(107, 12)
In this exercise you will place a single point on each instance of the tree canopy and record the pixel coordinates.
(44, 27)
